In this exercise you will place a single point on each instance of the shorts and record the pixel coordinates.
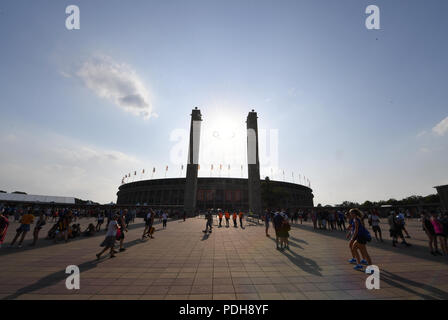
(376, 229)
(361, 239)
(109, 242)
(24, 228)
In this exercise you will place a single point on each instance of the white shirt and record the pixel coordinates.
(164, 216)
(375, 221)
(112, 229)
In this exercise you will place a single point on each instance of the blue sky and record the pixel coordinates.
(359, 112)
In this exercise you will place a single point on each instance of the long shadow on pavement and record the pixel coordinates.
(416, 251)
(392, 279)
(306, 264)
(43, 243)
(59, 276)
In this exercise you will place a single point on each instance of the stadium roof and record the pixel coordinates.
(16, 197)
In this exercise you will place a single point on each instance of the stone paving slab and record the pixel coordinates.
(182, 263)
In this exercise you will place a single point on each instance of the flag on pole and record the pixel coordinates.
(143, 171)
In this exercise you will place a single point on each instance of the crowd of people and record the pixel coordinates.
(352, 222)
(64, 220)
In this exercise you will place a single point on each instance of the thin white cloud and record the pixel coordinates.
(117, 82)
(421, 134)
(441, 128)
(50, 164)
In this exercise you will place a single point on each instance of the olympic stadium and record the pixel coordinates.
(225, 193)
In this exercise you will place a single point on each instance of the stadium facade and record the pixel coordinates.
(216, 192)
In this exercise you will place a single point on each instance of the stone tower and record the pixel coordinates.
(191, 183)
(253, 163)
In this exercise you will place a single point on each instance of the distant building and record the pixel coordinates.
(23, 198)
(443, 194)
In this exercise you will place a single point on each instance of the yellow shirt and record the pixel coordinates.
(27, 219)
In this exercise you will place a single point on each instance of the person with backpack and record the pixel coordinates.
(360, 237)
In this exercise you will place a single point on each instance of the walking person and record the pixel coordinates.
(439, 233)
(284, 234)
(401, 220)
(149, 219)
(430, 233)
(349, 236)
(267, 220)
(4, 223)
(339, 220)
(122, 228)
(277, 221)
(209, 222)
(100, 221)
(220, 218)
(39, 224)
(164, 219)
(375, 221)
(26, 220)
(241, 215)
(314, 219)
(111, 236)
(185, 215)
(234, 218)
(392, 229)
(360, 238)
(399, 226)
(227, 215)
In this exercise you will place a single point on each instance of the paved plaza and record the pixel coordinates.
(231, 263)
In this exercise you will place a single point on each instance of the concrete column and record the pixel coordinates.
(191, 184)
(254, 184)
